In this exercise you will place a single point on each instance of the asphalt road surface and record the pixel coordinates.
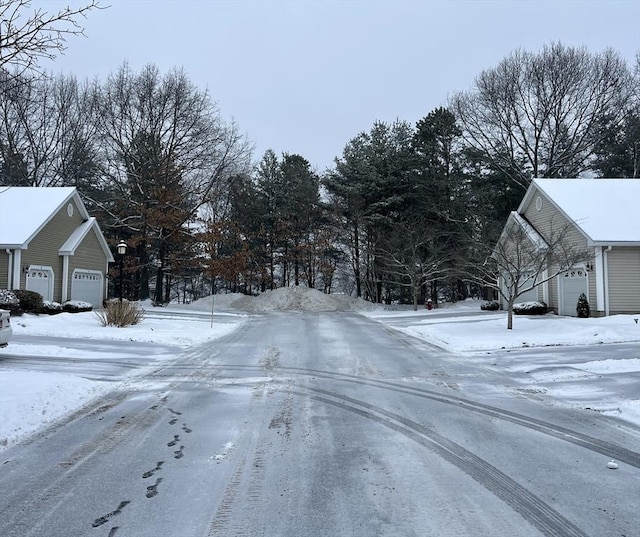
(314, 425)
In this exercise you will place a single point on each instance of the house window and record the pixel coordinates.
(539, 203)
(70, 209)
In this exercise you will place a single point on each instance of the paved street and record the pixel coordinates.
(320, 424)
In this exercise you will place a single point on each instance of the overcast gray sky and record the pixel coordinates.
(307, 76)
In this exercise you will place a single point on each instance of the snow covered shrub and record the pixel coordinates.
(76, 306)
(9, 301)
(530, 308)
(490, 305)
(582, 308)
(30, 301)
(120, 314)
(51, 308)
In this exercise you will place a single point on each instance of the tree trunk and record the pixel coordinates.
(510, 315)
(356, 260)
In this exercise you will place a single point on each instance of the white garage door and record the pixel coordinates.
(572, 284)
(86, 285)
(40, 280)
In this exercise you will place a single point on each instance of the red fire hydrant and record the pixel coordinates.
(429, 304)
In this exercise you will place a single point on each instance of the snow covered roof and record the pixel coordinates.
(25, 210)
(606, 210)
(76, 238)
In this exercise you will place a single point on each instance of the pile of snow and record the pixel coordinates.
(222, 301)
(299, 299)
(281, 299)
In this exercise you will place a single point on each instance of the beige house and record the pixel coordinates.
(602, 215)
(50, 244)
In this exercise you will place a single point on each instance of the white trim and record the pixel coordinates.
(545, 287)
(17, 267)
(600, 285)
(9, 266)
(64, 294)
(605, 274)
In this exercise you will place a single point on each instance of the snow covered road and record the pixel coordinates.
(321, 424)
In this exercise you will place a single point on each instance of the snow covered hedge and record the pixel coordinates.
(490, 305)
(76, 306)
(51, 308)
(530, 308)
(9, 301)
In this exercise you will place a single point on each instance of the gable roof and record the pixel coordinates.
(24, 211)
(606, 210)
(529, 231)
(78, 235)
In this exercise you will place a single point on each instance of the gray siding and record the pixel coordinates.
(624, 280)
(4, 266)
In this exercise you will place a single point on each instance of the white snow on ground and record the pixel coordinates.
(473, 333)
(31, 400)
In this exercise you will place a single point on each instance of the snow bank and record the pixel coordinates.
(299, 299)
(32, 400)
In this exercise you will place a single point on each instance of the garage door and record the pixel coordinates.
(40, 280)
(572, 284)
(86, 285)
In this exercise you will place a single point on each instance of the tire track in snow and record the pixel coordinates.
(529, 506)
(608, 449)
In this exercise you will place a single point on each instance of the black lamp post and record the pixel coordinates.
(122, 249)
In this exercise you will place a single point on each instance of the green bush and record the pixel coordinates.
(582, 308)
(530, 308)
(120, 314)
(30, 301)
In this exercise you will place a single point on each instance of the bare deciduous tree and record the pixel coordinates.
(45, 138)
(523, 259)
(26, 38)
(540, 115)
(415, 254)
(166, 150)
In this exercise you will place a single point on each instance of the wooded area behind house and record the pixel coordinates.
(405, 213)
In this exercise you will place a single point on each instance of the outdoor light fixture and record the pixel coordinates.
(122, 249)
